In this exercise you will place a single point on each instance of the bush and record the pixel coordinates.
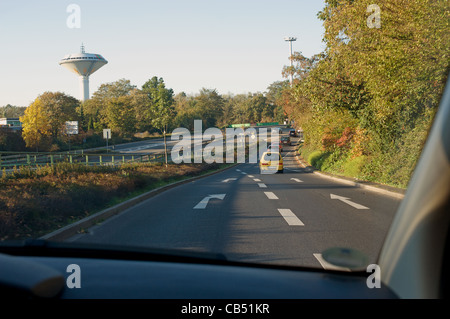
(11, 140)
(314, 157)
(352, 167)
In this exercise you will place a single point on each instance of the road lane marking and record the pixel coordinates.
(262, 185)
(229, 179)
(237, 169)
(326, 265)
(251, 176)
(296, 180)
(290, 217)
(244, 173)
(204, 202)
(348, 201)
(256, 179)
(271, 195)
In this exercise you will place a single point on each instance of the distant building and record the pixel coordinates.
(12, 123)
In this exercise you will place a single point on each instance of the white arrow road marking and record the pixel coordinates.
(271, 195)
(229, 179)
(290, 217)
(326, 265)
(297, 180)
(262, 185)
(347, 201)
(202, 204)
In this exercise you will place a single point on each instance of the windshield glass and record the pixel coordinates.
(271, 156)
(188, 95)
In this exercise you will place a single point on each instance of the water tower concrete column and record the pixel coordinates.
(84, 87)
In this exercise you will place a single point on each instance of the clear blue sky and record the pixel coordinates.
(229, 45)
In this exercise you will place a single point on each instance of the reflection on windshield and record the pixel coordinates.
(348, 108)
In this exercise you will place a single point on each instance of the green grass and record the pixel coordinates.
(316, 158)
(388, 169)
(353, 167)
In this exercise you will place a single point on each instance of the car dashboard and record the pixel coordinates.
(154, 274)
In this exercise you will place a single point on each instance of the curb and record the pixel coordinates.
(379, 188)
(75, 228)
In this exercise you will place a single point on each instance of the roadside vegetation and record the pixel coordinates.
(366, 103)
(132, 114)
(34, 202)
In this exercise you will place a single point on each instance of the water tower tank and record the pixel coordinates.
(83, 64)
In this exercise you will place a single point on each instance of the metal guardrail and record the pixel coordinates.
(9, 160)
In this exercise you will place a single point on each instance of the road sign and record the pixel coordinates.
(71, 127)
(107, 133)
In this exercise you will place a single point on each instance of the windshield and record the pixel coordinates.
(178, 100)
(271, 156)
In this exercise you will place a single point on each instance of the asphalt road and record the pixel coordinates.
(288, 218)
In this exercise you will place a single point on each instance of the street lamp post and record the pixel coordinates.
(290, 40)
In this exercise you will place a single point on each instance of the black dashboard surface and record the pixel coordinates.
(109, 279)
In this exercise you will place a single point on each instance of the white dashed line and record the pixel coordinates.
(262, 185)
(271, 195)
(290, 217)
(256, 179)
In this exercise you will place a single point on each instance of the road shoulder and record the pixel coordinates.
(370, 186)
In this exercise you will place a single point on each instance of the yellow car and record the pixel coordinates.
(271, 162)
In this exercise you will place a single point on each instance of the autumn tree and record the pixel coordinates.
(377, 83)
(209, 104)
(116, 89)
(278, 101)
(185, 110)
(59, 108)
(95, 109)
(36, 125)
(397, 70)
(12, 111)
(120, 115)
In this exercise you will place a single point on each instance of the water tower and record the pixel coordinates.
(83, 64)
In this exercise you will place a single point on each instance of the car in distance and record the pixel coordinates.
(293, 132)
(277, 130)
(286, 140)
(275, 147)
(271, 162)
